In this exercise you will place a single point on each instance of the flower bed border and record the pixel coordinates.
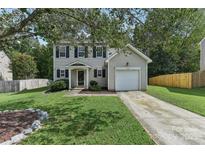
(42, 116)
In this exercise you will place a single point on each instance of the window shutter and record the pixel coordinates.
(58, 73)
(103, 73)
(86, 52)
(66, 73)
(104, 52)
(76, 52)
(67, 52)
(57, 51)
(95, 73)
(94, 52)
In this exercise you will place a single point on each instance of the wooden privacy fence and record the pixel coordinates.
(19, 85)
(198, 79)
(181, 80)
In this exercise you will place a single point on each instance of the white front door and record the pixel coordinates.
(127, 79)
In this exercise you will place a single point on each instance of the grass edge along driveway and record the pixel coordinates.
(78, 120)
(189, 99)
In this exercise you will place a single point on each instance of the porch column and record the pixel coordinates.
(87, 73)
(69, 70)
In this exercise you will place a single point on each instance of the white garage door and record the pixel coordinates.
(127, 79)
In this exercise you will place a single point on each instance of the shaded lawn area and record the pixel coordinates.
(190, 99)
(78, 120)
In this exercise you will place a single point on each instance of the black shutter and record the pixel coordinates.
(76, 52)
(86, 52)
(57, 51)
(94, 52)
(66, 73)
(95, 73)
(103, 73)
(67, 52)
(58, 73)
(104, 52)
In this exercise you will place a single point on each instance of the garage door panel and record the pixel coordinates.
(127, 80)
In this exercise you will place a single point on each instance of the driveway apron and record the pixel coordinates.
(166, 123)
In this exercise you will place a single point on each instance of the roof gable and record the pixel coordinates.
(136, 51)
(79, 63)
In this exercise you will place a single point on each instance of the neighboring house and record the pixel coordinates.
(202, 55)
(113, 69)
(5, 71)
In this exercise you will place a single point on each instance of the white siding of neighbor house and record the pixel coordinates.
(5, 71)
(202, 55)
(61, 63)
(134, 60)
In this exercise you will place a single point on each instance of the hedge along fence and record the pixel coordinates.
(181, 80)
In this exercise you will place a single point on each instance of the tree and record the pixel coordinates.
(23, 66)
(170, 37)
(42, 55)
(112, 26)
(20, 29)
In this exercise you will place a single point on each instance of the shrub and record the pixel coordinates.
(66, 82)
(95, 88)
(57, 85)
(93, 83)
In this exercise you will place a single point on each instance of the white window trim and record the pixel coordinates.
(79, 52)
(101, 52)
(60, 51)
(63, 73)
(99, 69)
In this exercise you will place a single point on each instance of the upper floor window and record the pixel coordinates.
(99, 51)
(62, 51)
(81, 51)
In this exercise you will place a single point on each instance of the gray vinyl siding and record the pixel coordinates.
(121, 60)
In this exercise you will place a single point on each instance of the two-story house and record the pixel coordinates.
(114, 69)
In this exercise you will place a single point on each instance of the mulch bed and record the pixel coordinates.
(13, 123)
(85, 91)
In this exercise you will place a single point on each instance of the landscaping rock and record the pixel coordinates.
(43, 116)
(16, 125)
(17, 138)
(9, 142)
(36, 124)
(27, 131)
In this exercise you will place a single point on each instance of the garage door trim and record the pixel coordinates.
(129, 68)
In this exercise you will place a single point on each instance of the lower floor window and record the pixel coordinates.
(62, 73)
(99, 73)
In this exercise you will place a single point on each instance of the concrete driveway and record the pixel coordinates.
(166, 123)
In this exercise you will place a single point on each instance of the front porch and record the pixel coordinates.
(78, 75)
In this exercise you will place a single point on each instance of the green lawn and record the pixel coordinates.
(190, 99)
(79, 120)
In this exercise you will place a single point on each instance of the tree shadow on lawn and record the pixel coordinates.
(17, 104)
(75, 122)
(25, 91)
(194, 91)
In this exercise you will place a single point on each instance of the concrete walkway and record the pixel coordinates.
(167, 124)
